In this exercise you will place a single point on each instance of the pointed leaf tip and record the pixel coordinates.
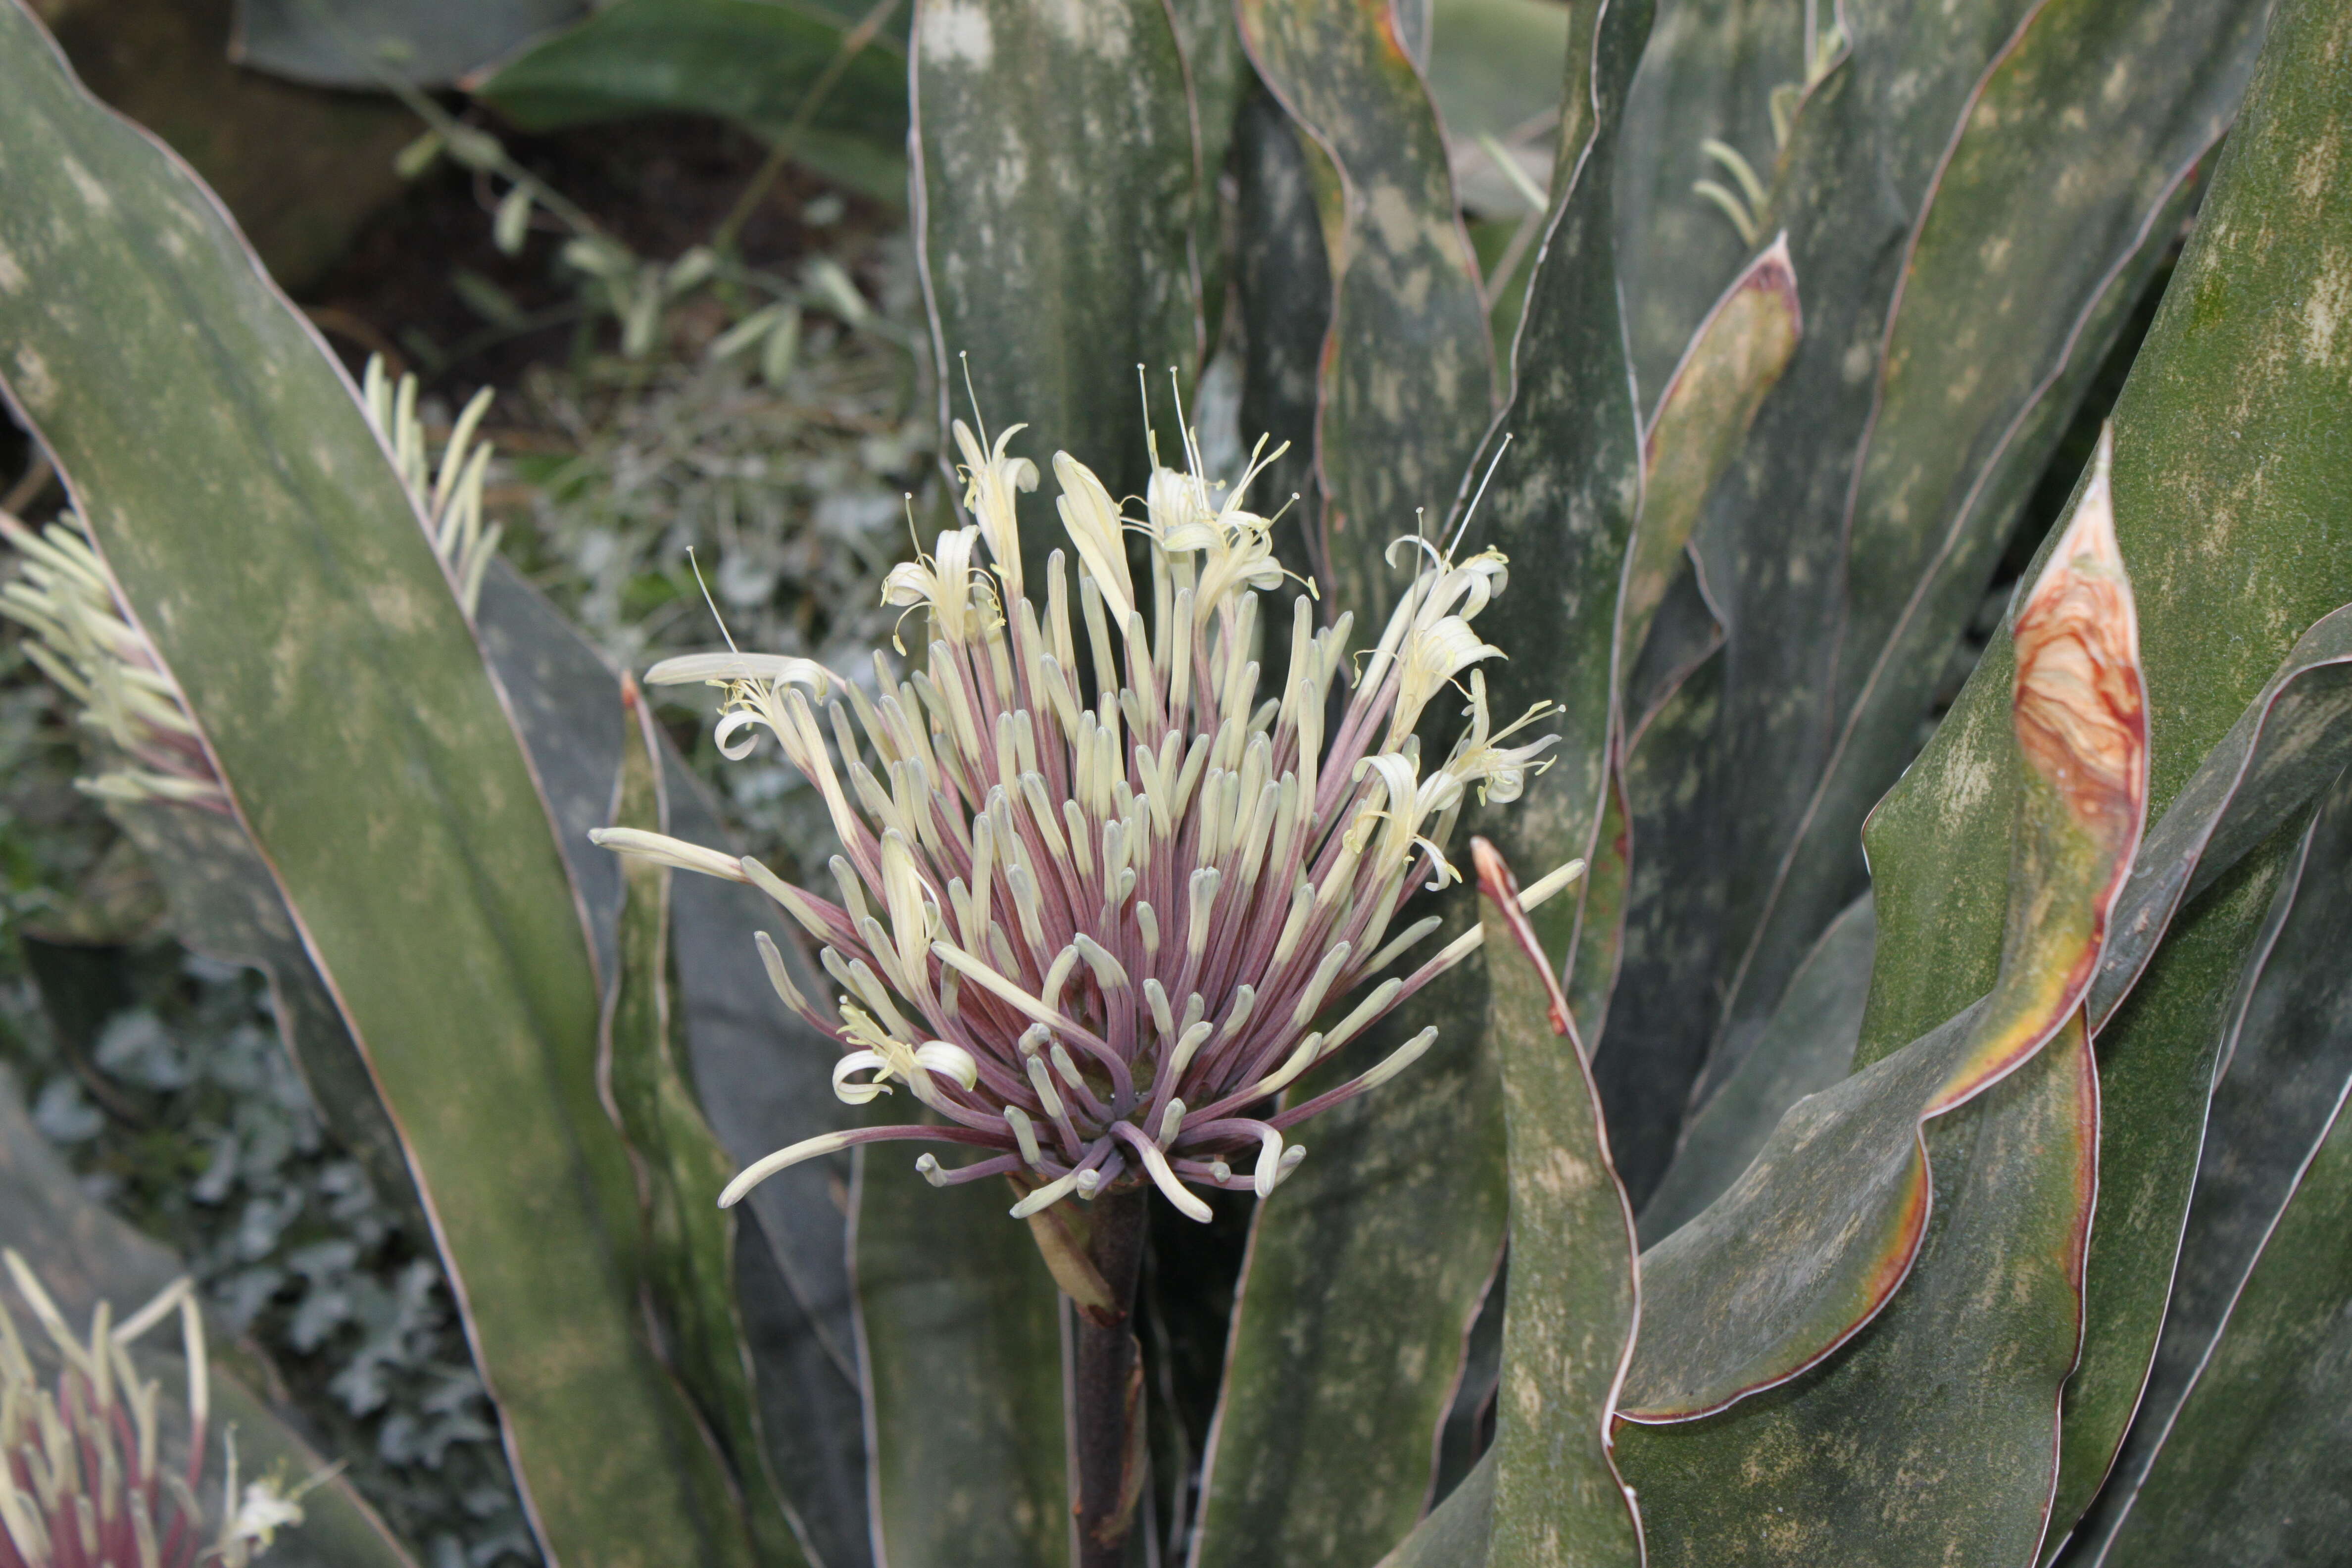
(2081, 707)
(1496, 880)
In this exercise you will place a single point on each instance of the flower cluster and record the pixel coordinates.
(1101, 892)
(82, 640)
(82, 1477)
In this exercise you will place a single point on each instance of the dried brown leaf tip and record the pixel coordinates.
(2081, 707)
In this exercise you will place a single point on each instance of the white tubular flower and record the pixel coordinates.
(1097, 889)
(1091, 518)
(989, 478)
(80, 638)
(941, 582)
(1501, 772)
(1432, 656)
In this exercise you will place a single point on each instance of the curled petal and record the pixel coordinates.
(860, 1093)
(947, 1060)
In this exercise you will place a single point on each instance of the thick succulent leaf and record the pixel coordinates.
(1565, 490)
(1054, 229)
(85, 1255)
(1282, 281)
(689, 1241)
(963, 1334)
(1808, 1245)
(751, 61)
(2294, 737)
(1407, 375)
(1567, 1329)
(1328, 1431)
(1709, 73)
(225, 903)
(2257, 1467)
(362, 43)
(1949, 328)
(263, 540)
(1459, 1532)
(1807, 1047)
(1361, 1279)
(813, 1418)
(1734, 359)
(1933, 1437)
(2204, 451)
(2286, 1054)
(762, 1073)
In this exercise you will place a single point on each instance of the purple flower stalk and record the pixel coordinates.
(1101, 900)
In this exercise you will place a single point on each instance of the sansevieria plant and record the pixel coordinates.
(1766, 1099)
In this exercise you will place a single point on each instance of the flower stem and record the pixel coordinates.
(1107, 1407)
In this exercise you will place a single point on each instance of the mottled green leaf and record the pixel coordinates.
(751, 61)
(2257, 1468)
(2285, 1046)
(266, 546)
(1282, 283)
(1709, 73)
(2229, 492)
(1565, 490)
(359, 43)
(1362, 1275)
(1567, 1329)
(681, 1169)
(1328, 1431)
(1056, 220)
(225, 903)
(1951, 322)
(1809, 1244)
(962, 1334)
(1932, 1438)
(1407, 377)
(1807, 1047)
(1734, 359)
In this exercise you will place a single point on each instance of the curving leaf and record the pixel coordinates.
(2204, 452)
(264, 542)
(1568, 1329)
(1709, 73)
(689, 1241)
(1282, 282)
(1459, 1531)
(225, 903)
(1054, 229)
(2285, 1058)
(1328, 1432)
(1809, 1244)
(1362, 1275)
(1407, 377)
(755, 62)
(359, 43)
(761, 1072)
(1950, 327)
(2254, 1469)
(962, 1332)
(1806, 1048)
(1735, 358)
(1933, 1436)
